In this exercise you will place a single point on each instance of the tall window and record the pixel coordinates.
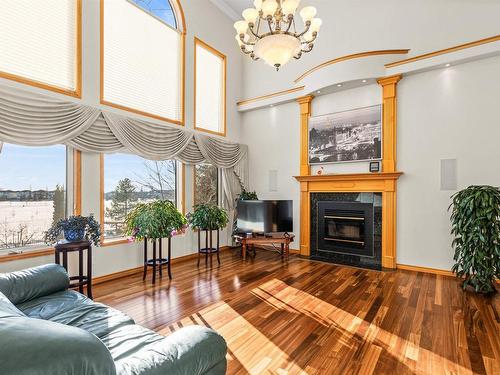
(206, 184)
(129, 180)
(142, 58)
(210, 89)
(39, 43)
(32, 194)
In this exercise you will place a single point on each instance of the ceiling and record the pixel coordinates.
(233, 8)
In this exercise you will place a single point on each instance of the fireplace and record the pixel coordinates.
(346, 228)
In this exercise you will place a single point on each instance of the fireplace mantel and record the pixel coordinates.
(383, 176)
(385, 183)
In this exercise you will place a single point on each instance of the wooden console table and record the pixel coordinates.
(282, 239)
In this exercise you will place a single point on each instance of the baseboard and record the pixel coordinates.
(136, 270)
(434, 271)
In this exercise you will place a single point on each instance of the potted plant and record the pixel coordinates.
(475, 223)
(208, 217)
(75, 229)
(155, 220)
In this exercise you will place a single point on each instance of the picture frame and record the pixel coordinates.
(348, 136)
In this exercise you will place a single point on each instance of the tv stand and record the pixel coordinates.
(251, 240)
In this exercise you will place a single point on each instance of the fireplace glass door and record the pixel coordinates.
(346, 229)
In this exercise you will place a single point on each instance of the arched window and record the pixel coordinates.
(142, 57)
(160, 9)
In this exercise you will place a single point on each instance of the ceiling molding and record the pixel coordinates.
(226, 9)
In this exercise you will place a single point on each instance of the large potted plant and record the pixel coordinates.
(475, 220)
(152, 222)
(75, 229)
(155, 220)
(208, 217)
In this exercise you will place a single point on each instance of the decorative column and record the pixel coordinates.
(389, 141)
(305, 170)
(305, 113)
(389, 122)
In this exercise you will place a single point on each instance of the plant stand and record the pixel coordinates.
(208, 249)
(157, 261)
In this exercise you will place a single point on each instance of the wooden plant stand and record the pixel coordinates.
(157, 261)
(208, 249)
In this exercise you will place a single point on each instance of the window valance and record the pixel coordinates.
(35, 119)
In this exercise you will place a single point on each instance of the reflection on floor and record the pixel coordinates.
(305, 317)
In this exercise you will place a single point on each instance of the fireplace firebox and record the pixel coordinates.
(345, 227)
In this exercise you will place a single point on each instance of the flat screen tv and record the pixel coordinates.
(263, 217)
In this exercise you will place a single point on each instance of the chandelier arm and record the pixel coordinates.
(308, 26)
(290, 19)
(242, 39)
(310, 48)
(315, 36)
(270, 25)
(254, 33)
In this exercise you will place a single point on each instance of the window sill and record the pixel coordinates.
(118, 241)
(26, 255)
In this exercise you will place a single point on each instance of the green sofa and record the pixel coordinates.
(47, 329)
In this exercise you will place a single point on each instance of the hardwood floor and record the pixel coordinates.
(304, 317)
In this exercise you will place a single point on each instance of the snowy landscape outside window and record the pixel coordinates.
(32, 195)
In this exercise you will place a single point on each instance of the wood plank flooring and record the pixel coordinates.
(304, 317)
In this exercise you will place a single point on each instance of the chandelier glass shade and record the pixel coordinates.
(269, 31)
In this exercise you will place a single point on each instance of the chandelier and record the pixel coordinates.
(269, 31)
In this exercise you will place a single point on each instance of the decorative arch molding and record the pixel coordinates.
(350, 57)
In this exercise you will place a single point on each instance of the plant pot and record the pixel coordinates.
(74, 235)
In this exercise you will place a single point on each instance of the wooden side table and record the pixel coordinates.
(66, 247)
(282, 239)
(157, 261)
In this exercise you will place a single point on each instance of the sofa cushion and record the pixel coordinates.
(74, 309)
(21, 286)
(191, 350)
(38, 347)
(7, 308)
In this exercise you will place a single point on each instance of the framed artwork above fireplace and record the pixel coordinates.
(354, 135)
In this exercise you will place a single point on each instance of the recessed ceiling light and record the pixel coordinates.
(364, 81)
(318, 92)
(339, 85)
(447, 65)
(270, 105)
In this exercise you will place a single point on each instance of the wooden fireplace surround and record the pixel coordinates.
(384, 182)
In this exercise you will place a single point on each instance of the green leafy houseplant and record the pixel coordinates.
(475, 220)
(154, 220)
(245, 195)
(208, 216)
(75, 228)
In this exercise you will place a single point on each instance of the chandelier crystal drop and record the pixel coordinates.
(268, 31)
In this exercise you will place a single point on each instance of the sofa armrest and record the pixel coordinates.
(31, 346)
(25, 285)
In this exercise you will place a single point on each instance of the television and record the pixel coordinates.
(266, 216)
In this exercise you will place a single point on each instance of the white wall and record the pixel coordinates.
(363, 25)
(201, 16)
(273, 137)
(442, 114)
